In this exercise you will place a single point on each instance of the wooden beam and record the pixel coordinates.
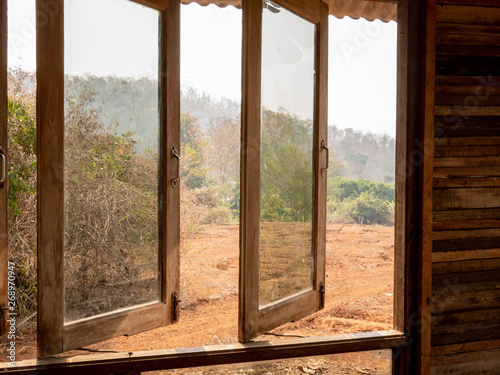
(50, 180)
(101, 364)
(250, 168)
(4, 187)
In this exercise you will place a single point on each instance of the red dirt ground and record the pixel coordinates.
(360, 262)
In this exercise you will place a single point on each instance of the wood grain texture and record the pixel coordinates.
(468, 39)
(463, 182)
(467, 347)
(473, 126)
(456, 215)
(250, 170)
(427, 185)
(454, 256)
(407, 198)
(4, 188)
(50, 180)
(104, 364)
(127, 322)
(466, 233)
(467, 110)
(453, 199)
(466, 266)
(170, 137)
(469, 29)
(467, 141)
(473, 161)
(159, 5)
(468, 15)
(467, 224)
(466, 151)
(465, 244)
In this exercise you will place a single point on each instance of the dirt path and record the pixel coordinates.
(358, 298)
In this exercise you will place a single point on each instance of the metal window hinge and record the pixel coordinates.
(321, 296)
(175, 307)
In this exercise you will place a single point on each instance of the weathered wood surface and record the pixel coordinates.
(50, 177)
(104, 364)
(4, 239)
(478, 363)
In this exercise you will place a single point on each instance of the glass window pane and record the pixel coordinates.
(111, 156)
(287, 179)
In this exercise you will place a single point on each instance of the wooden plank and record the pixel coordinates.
(468, 171)
(483, 3)
(455, 198)
(250, 170)
(481, 161)
(467, 110)
(308, 9)
(465, 244)
(117, 323)
(451, 301)
(468, 15)
(475, 93)
(170, 88)
(467, 233)
(468, 40)
(492, 213)
(407, 202)
(455, 280)
(50, 180)
(471, 29)
(467, 347)
(466, 151)
(484, 81)
(468, 99)
(463, 182)
(453, 256)
(159, 5)
(466, 224)
(473, 126)
(477, 335)
(464, 328)
(425, 264)
(467, 65)
(453, 50)
(104, 364)
(466, 266)
(476, 357)
(4, 188)
(320, 155)
(467, 141)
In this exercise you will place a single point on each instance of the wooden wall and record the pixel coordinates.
(465, 303)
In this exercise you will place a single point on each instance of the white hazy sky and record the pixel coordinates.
(362, 61)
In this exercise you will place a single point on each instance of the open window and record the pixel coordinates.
(80, 148)
(284, 158)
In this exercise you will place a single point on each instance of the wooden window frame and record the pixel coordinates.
(403, 340)
(252, 319)
(54, 335)
(4, 188)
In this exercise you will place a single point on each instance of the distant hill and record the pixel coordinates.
(130, 104)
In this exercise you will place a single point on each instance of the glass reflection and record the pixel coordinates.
(111, 157)
(287, 179)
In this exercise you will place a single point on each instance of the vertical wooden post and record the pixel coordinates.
(4, 239)
(408, 170)
(250, 167)
(169, 77)
(50, 183)
(425, 264)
